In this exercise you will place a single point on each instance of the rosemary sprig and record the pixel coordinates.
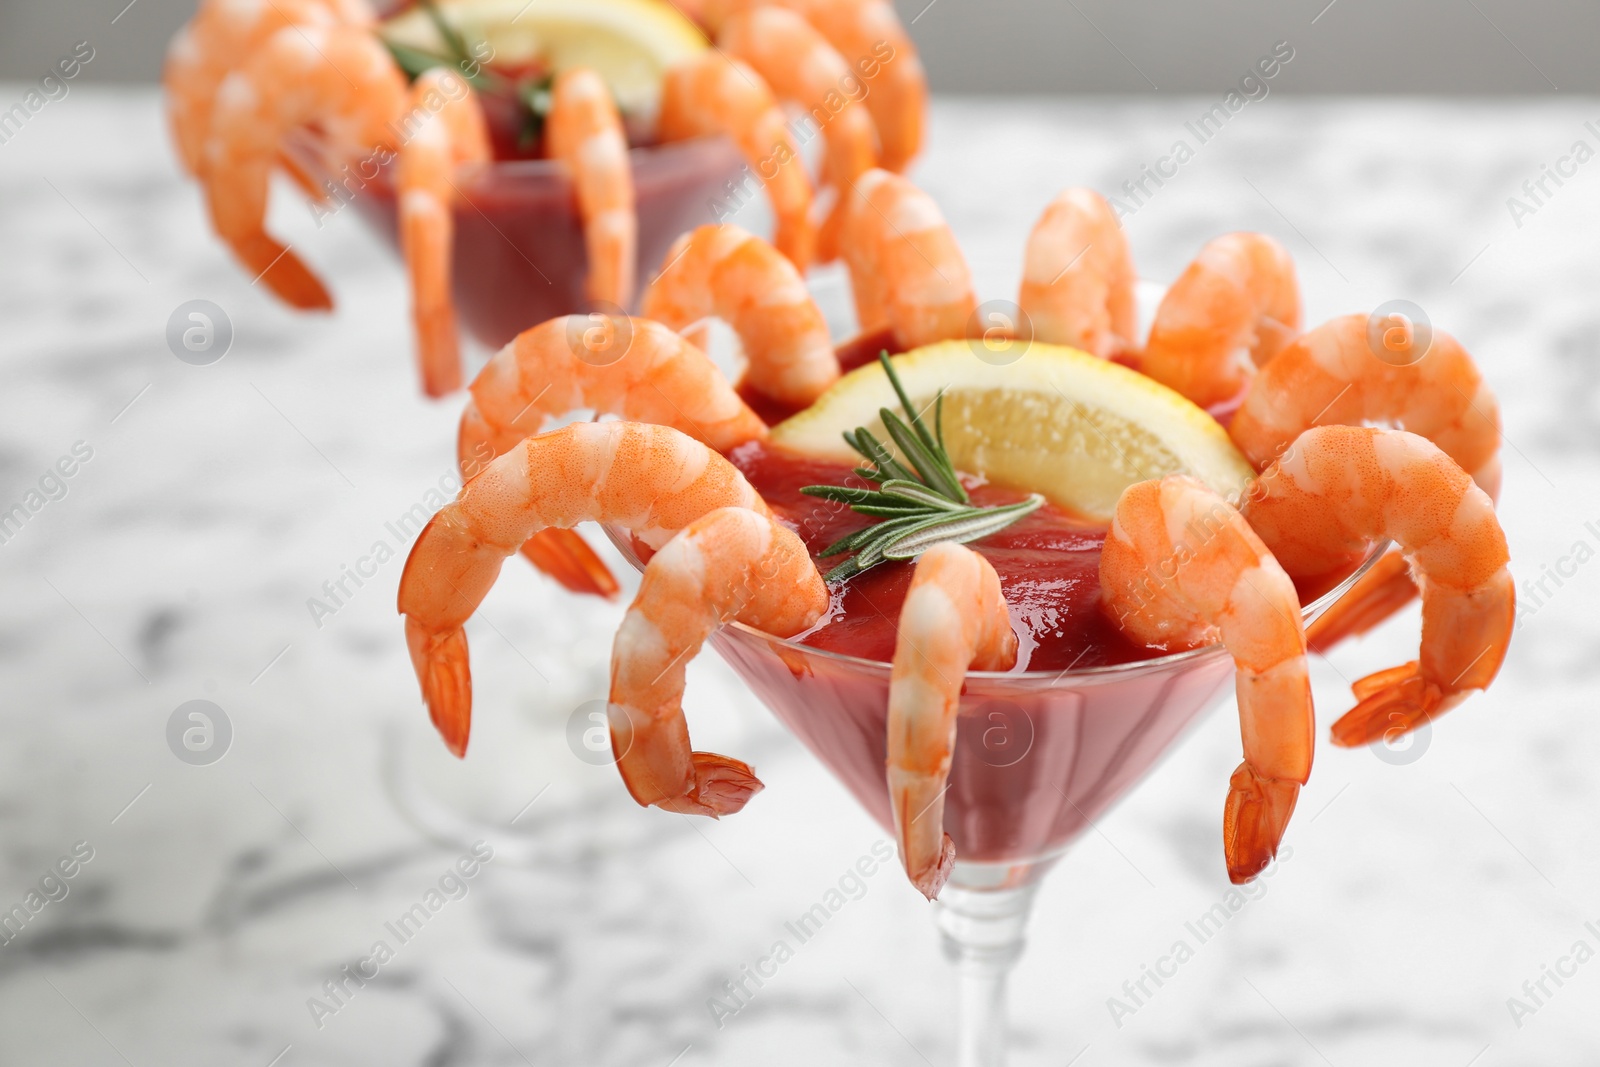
(917, 506)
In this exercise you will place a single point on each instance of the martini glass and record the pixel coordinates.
(519, 255)
(1038, 756)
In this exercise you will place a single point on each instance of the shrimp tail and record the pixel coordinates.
(732, 564)
(1393, 702)
(722, 786)
(565, 556)
(954, 618)
(440, 660)
(928, 869)
(1383, 590)
(1253, 821)
(283, 272)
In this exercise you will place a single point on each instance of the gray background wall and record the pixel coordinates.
(1362, 46)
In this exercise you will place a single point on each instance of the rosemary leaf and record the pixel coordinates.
(960, 528)
(934, 473)
(919, 493)
(917, 507)
(848, 494)
(875, 452)
(905, 404)
(414, 61)
(847, 569)
(448, 33)
(868, 534)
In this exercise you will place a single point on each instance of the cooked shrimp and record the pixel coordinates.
(1333, 376)
(727, 272)
(340, 78)
(800, 66)
(447, 132)
(712, 94)
(651, 480)
(1339, 489)
(1180, 569)
(905, 266)
(1238, 299)
(220, 37)
(630, 367)
(954, 618)
(732, 564)
(1078, 276)
(868, 34)
(584, 131)
(634, 368)
(877, 49)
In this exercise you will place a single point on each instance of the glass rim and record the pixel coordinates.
(306, 147)
(546, 168)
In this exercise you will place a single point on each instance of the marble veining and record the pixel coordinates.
(177, 562)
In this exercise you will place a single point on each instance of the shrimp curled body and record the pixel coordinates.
(1232, 310)
(1340, 488)
(954, 618)
(715, 94)
(339, 78)
(651, 480)
(1180, 569)
(449, 135)
(1344, 373)
(1078, 276)
(906, 269)
(802, 67)
(734, 275)
(633, 368)
(732, 564)
(584, 131)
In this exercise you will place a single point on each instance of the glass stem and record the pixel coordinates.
(983, 933)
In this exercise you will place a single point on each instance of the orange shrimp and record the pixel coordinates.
(651, 480)
(221, 36)
(1239, 298)
(584, 131)
(1346, 372)
(954, 618)
(1334, 375)
(906, 269)
(1180, 569)
(1339, 489)
(446, 133)
(1078, 276)
(728, 272)
(731, 564)
(340, 78)
(713, 94)
(629, 367)
(868, 34)
(799, 65)
(875, 46)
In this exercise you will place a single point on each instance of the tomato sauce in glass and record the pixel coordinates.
(1048, 563)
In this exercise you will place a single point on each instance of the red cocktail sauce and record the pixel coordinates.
(1048, 563)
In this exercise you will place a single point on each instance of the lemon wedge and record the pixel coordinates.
(629, 43)
(1033, 417)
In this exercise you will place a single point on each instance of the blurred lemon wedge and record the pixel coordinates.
(1033, 417)
(629, 43)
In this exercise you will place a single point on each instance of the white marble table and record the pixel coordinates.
(218, 499)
